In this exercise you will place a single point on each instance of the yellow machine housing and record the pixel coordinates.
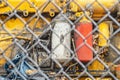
(95, 6)
(29, 7)
(104, 33)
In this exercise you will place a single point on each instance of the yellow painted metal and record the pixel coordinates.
(104, 33)
(98, 11)
(3, 46)
(20, 5)
(6, 39)
(94, 5)
(97, 78)
(96, 65)
(14, 25)
(24, 6)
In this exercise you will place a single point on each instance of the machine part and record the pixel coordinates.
(37, 78)
(98, 11)
(61, 41)
(30, 72)
(104, 33)
(117, 71)
(115, 41)
(61, 3)
(26, 6)
(15, 26)
(96, 66)
(95, 8)
(118, 8)
(39, 53)
(2, 4)
(3, 78)
(25, 13)
(41, 59)
(52, 13)
(24, 67)
(98, 78)
(22, 7)
(78, 14)
(84, 53)
(3, 45)
(8, 67)
(6, 40)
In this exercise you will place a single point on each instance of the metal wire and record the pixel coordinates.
(38, 40)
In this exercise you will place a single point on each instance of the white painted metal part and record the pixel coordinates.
(61, 41)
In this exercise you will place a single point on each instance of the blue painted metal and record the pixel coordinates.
(21, 65)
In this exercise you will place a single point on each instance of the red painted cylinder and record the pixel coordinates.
(84, 53)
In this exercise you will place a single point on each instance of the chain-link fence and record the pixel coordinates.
(59, 40)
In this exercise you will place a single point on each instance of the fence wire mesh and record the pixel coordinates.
(59, 40)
